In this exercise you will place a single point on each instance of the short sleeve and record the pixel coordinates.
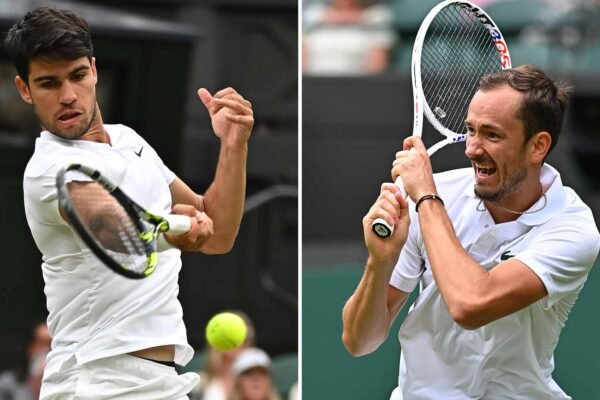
(41, 199)
(561, 253)
(409, 268)
(168, 175)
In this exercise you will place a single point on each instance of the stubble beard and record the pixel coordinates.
(65, 134)
(511, 185)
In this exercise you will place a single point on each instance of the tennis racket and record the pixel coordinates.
(457, 43)
(121, 233)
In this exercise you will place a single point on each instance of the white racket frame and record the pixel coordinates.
(380, 225)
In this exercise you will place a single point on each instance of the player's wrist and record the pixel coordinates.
(234, 145)
(382, 262)
(428, 198)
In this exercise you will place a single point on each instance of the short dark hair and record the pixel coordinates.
(49, 34)
(544, 100)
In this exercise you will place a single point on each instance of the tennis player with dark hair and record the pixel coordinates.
(113, 337)
(500, 250)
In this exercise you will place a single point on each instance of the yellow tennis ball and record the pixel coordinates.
(226, 331)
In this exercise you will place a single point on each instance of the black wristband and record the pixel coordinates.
(427, 197)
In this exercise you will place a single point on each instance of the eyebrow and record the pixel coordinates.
(493, 127)
(54, 77)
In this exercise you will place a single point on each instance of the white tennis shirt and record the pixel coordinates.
(94, 312)
(512, 357)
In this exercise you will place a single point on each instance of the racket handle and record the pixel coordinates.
(178, 224)
(380, 225)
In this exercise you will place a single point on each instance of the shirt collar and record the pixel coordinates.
(555, 193)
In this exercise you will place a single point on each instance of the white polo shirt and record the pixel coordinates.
(512, 357)
(94, 312)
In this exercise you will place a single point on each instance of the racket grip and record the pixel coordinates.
(380, 226)
(178, 224)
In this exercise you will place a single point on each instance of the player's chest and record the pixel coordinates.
(144, 180)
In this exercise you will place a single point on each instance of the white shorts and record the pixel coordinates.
(121, 377)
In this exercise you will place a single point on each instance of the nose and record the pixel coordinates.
(473, 147)
(67, 93)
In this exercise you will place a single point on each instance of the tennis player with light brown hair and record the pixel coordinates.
(500, 250)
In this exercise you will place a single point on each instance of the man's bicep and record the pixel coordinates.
(514, 286)
(181, 193)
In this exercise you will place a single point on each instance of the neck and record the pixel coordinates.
(511, 206)
(96, 131)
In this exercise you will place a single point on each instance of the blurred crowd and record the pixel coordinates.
(24, 381)
(244, 373)
(347, 37)
(370, 37)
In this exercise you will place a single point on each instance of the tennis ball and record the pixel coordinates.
(226, 331)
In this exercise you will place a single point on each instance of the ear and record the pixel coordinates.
(539, 146)
(93, 67)
(23, 90)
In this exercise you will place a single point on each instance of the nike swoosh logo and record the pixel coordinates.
(506, 255)
(139, 153)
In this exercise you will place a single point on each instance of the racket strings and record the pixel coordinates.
(456, 32)
(454, 82)
(109, 224)
(457, 51)
(451, 105)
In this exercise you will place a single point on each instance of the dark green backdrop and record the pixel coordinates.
(329, 372)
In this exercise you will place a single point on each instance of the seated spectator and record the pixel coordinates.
(347, 37)
(24, 383)
(252, 371)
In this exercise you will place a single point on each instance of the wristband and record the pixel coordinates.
(428, 197)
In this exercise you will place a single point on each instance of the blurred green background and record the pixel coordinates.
(329, 372)
(352, 127)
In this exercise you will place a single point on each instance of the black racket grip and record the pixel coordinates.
(380, 225)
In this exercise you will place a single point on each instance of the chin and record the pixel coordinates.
(487, 193)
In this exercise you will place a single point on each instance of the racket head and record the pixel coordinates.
(116, 229)
(456, 45)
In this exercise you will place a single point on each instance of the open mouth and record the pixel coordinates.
(484, 170)
(68, 116)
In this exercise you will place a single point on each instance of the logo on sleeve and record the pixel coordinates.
(139, 153)
(506, 255)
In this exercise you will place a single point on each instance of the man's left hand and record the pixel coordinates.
(231, 115)
(414, 166)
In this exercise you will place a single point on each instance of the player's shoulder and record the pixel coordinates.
(52, 153)
(564, 204)
(49, 150)
(121, 133)
(575, 212)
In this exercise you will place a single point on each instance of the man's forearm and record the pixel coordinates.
(366, 317)
(459, 278)
(224, 199)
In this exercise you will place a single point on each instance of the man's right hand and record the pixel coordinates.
(200, 231)
(391, 206)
